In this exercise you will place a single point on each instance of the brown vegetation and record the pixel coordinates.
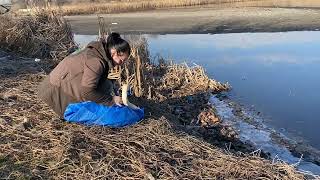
(34, 143)
(100, 7)
(40, 35)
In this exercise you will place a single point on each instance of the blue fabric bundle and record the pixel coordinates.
(90, 113)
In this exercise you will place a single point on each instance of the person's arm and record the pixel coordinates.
(94, 69)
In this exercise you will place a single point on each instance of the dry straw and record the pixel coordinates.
(35, 144)
(132, 5)
(40, 35)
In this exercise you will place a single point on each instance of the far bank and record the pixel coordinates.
(202, 20)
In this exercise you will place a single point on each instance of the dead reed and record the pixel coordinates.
(40, 35)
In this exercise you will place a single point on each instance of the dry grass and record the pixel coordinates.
(139, 5)
(40, 35)
(101, 7)
(183, 80)
(132, 5)
(150, 150)
(35, 144)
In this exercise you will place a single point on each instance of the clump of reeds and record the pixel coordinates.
(183, 80)
(133, 70)
(163, 77)
(43, 34)
(137, 64)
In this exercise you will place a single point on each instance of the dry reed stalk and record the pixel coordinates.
(134, 67)
(137, 85)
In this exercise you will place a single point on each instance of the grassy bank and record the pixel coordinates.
(167, 144)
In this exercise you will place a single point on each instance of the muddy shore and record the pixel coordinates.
(199, 20)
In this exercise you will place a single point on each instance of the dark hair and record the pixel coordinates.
(115, 41)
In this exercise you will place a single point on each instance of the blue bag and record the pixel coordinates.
(91, 113)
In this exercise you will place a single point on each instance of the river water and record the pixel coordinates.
(277, 74)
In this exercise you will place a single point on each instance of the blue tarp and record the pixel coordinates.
(90, 113)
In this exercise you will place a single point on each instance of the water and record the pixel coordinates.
(276, 73)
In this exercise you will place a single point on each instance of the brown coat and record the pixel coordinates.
(79, 77)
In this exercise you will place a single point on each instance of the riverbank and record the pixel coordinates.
(36, 143)
(179, 134)
(202, 20)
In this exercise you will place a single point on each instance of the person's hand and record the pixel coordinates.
(117, 100)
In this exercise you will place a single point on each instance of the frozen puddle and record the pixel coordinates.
(259, 135)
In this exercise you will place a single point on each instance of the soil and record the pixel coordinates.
(202, 20)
